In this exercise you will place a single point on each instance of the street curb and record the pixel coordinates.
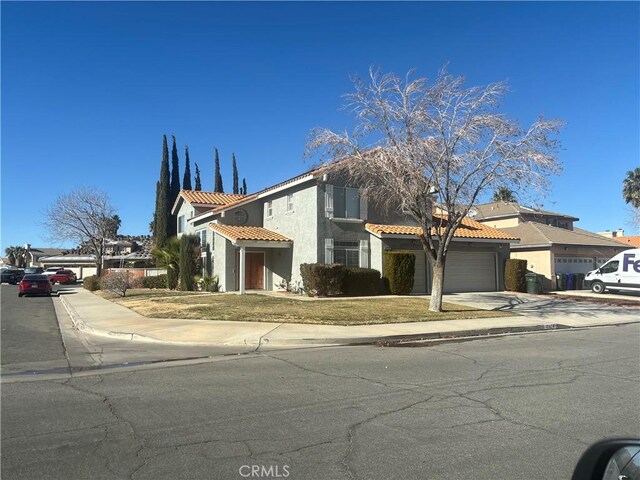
(385, 340)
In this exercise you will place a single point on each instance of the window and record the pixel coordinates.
(610, 267)
(181, 224)
(290, 202)
(203, 237)
(269, 208)
(346, 202)
(346, 253)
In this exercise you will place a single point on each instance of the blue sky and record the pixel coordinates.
(89, 88)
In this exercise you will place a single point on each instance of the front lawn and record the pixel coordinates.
(262, 308)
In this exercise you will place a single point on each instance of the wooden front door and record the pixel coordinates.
(254, 271)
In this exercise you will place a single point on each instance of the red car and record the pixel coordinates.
(32, 284)
(63, 276)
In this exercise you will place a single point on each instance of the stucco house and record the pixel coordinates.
(259, 241)
(549, 241)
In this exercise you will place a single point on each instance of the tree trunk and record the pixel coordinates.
(437, 286)
(99, 266)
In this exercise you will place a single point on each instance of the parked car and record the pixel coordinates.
(35, 284)
(63, 277)
(34, 270)
(52, 270)
(20, 274)
(9, 275)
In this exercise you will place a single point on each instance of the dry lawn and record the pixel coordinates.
(262, 308)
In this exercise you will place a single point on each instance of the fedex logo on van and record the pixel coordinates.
(628, 261)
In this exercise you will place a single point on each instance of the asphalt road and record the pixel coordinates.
(29, 328)
(520, 407)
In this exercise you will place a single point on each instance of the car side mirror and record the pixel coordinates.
(613, 459)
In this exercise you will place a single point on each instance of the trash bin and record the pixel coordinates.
(570, 284)
(561, 279)
(533, 283)
(579, 281)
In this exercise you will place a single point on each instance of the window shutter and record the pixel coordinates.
(328, 250)
(328, 203)
(364, 253)
(364, 212)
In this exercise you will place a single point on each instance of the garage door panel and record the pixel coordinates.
(574, 264)
(470, 272)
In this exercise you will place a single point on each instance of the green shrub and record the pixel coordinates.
(361, 281)
(514, 275)
(158, 281)
(91, 283)
(209, 284)
(189, 258)
(322, 280)
(398, 272)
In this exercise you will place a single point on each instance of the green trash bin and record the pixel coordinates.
(533, 283)
(561, 281)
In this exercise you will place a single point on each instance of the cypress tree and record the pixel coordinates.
(186, 181)
(244, 186)
(163, 192)
(235, 173)
(175, 188)
(198, 185)
(217, 184)
(189, 254)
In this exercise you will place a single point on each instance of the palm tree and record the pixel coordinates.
(16, 256)
(168, 257)
(504, 194)
(11, 253)
(631, 188)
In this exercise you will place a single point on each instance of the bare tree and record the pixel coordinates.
(84, 216)
(416, 144)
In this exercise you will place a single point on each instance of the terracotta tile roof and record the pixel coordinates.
(468, 229)
(632, 241)
(239, 201)
(234, 233)
(209, 198)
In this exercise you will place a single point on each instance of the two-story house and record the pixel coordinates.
(549, 241)
(260, 240)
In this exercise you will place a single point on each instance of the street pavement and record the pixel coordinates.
(519, 407)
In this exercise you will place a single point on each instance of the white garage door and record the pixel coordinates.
(470, 272)
(574, 264)
(420, 276)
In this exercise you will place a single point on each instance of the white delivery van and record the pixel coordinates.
(622, 272)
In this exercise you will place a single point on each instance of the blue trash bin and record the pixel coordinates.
(570, 281)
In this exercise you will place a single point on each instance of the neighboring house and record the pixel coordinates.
(630, 241)
(35, 254)
(612, 233)
(263, 238)
(549, 241)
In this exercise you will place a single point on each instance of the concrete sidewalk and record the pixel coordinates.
(98, 316)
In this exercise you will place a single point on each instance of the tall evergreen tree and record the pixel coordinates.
(175, 188)
(186, 181)
(217, 184)
(161, 218)
(244, 186)
(198, 185)
(235, 173)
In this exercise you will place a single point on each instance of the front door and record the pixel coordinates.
(254, 271)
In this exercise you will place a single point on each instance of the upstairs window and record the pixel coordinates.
(269, 208)
(346, 202)
(202, 234)
(290, 202)
(181, 224)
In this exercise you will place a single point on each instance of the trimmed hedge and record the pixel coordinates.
(91, 283)
(158, 281)
(514, 275)
(361, 281)
(324, 280)
(321, 279)
(399, 271)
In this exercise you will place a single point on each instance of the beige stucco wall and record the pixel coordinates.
(501, 223)
(541, 262)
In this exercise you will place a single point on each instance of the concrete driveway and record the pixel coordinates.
(547, 307)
